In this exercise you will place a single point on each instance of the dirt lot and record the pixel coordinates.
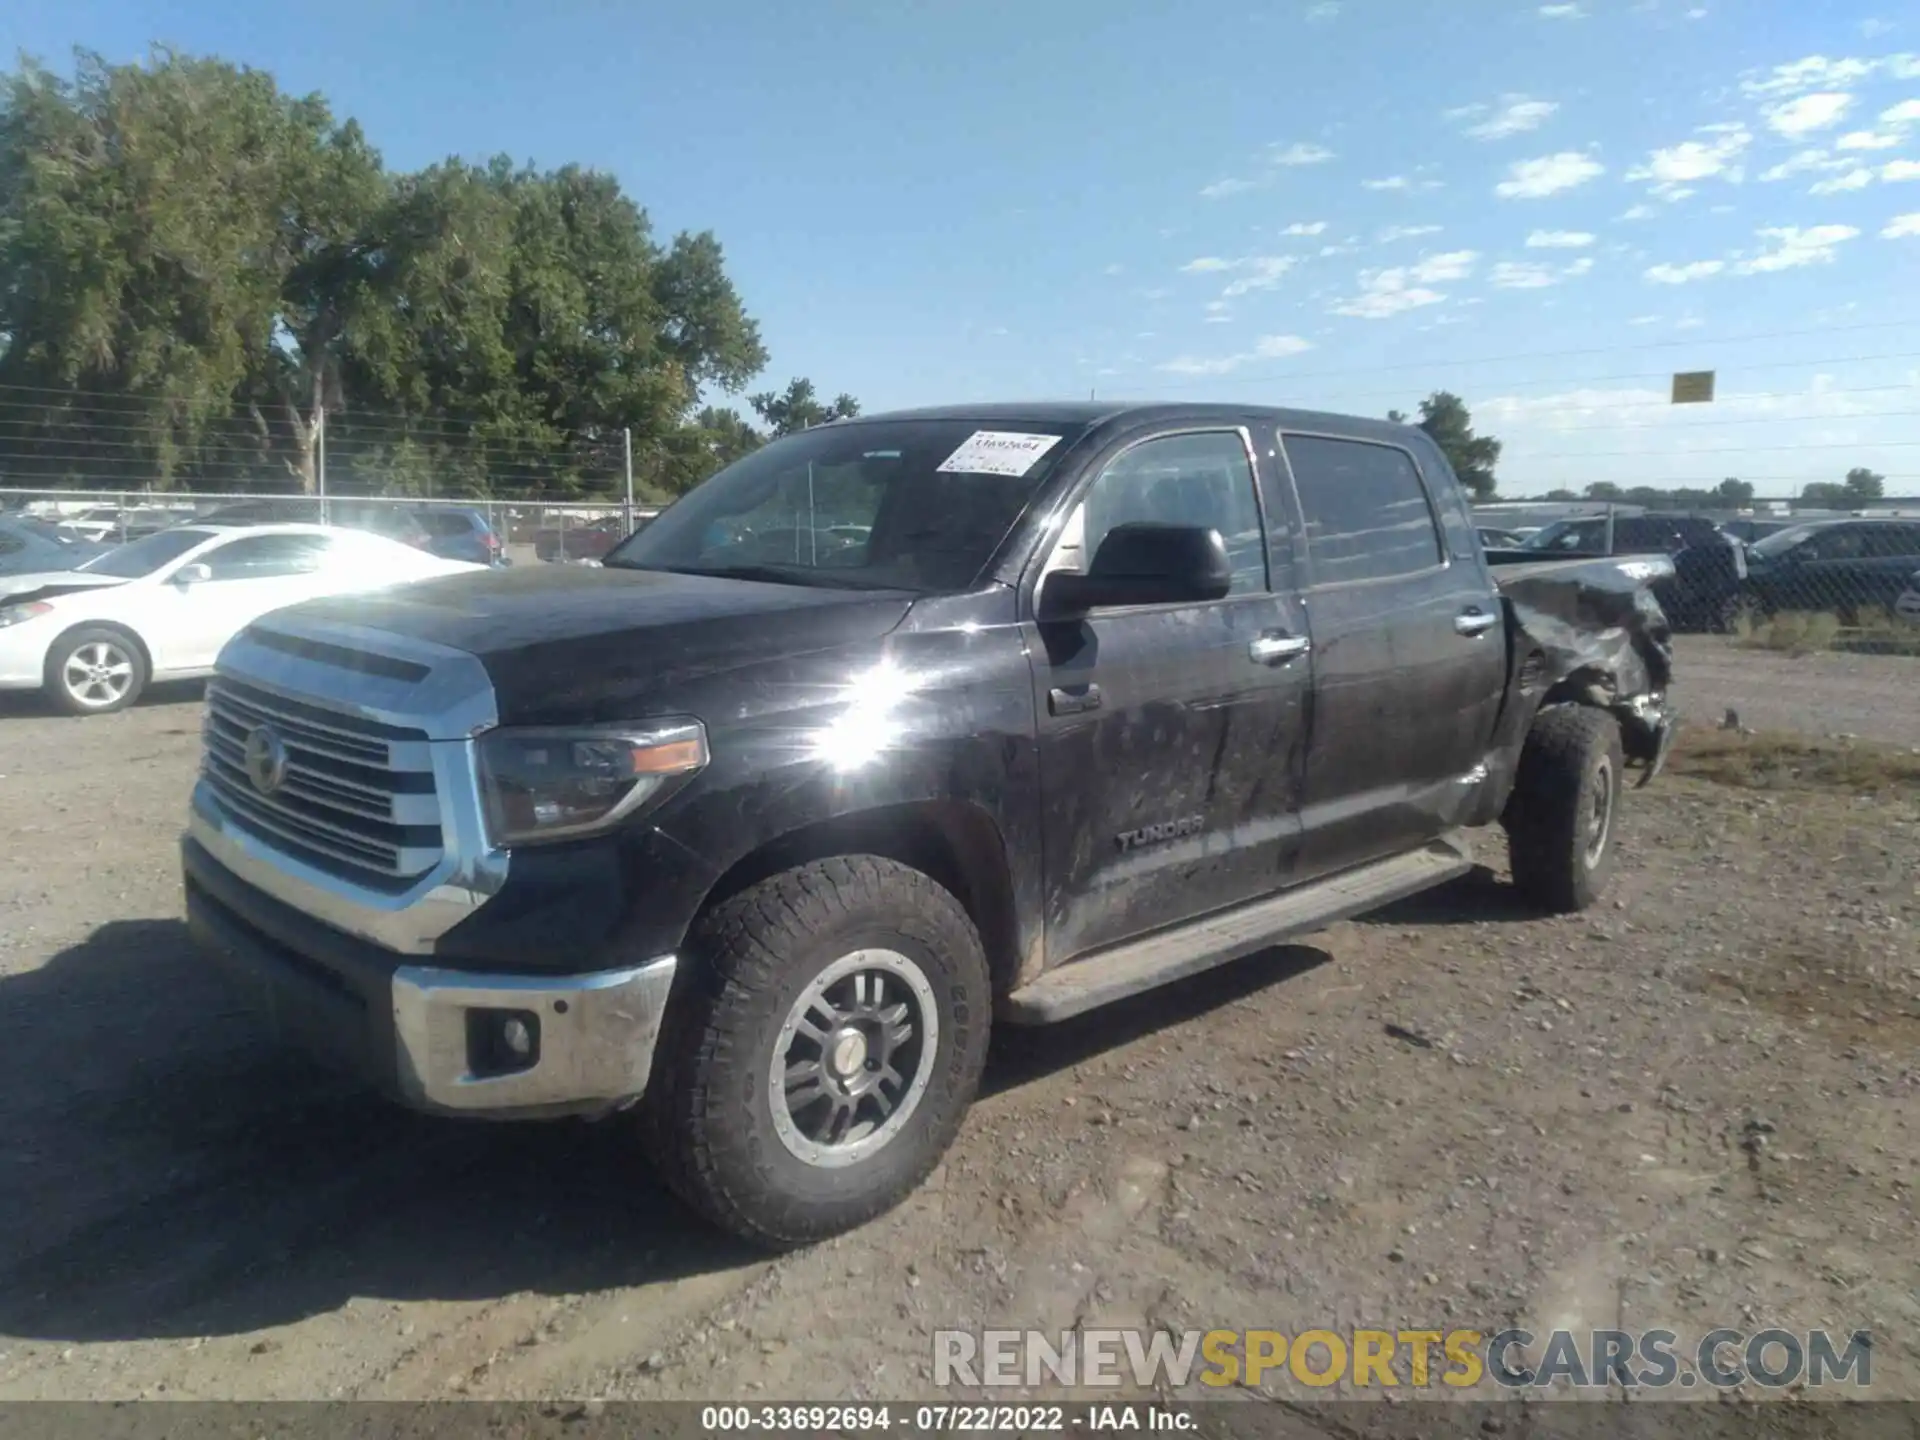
(1696, 1106)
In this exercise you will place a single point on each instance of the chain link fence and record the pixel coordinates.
(496, 531)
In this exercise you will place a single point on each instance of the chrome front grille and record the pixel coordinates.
(355, 797)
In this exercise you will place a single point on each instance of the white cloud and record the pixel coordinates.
(1391, 182)
(1638, 212)
(1900, 170)
(1206, 265)
(1902, 227)
(1515, 115)
(1563, 12)
(1453, 265)
(1673, 171)
(1820, 111)
(1801, 162)
(1384, 293)
(1682, 274)
(1301, 227)
(1550, 174)
(1514, 275)
(1793, 247)
(1326, 10)
(1644, 320)
(1558, 240)
(1259, 272)
(1865, 140)
(1404, 232)
(1267, 347)
(1872, 27)
(1857, 178)
(1907, 112)
(1298, 153)
(1221, 189)
(1533, 275)
(1697, 13)
(1815, 72)
(1115, 269)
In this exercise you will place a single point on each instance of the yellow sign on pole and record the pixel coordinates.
(1693, 387)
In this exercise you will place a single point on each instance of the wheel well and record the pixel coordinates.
(953, 843)
(132, 637)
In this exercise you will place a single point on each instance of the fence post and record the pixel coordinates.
(626, 437)
(320, 459)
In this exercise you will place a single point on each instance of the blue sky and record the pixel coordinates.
(1546, 207)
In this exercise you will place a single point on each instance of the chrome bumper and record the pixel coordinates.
(594, 1037)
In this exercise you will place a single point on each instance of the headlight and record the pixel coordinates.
(20, 614)
(542, 785)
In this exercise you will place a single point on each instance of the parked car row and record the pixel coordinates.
(91, 638)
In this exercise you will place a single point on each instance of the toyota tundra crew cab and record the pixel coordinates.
(895, 730)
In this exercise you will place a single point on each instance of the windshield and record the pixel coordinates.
(1780, 541)
(895, 505)
(143, 557)
(1569, 535)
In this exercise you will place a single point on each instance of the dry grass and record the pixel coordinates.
(1793, 762)
(1801, 632)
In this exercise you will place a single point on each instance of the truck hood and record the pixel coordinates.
(579, 644)
(42, 584)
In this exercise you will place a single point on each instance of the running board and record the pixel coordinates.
(1170, 955)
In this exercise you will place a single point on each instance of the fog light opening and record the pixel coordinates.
(502, 1042)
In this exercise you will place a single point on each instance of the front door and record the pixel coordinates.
(249, 576)
(1171, 736)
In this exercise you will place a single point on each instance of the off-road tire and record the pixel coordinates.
(707, 1116)
(1570, 767)
(108, 641)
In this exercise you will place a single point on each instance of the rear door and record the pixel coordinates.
(1172, 737)
(1409, 657)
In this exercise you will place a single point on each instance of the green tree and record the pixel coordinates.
(1605, 490)
(1736, 493)
(1444, 416)
(797, 408)
(1863, 484)
(1560, 495)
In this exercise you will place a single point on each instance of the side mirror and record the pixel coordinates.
(1143, 563)
(191, 575)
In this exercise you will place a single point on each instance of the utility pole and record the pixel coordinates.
(626, 437)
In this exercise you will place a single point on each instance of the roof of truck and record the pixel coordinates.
(1098, 412)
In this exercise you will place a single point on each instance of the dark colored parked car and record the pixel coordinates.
(765, 847)
(1707, 562)
(1838, 567)
(579, 539)
(462, 534)
(28, 546)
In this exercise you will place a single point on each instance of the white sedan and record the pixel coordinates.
(161, 608)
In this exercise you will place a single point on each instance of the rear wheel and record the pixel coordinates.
(95, 671)
(1560, 817)
(823, 1051)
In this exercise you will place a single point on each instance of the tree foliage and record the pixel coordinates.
(1860, 486)
(199, 274)
(1445, 417)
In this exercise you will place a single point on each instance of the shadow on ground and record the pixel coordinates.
(172, 1171)
(1475, 898)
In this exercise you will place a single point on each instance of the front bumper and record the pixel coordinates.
(427, 1035)
(1647, 729)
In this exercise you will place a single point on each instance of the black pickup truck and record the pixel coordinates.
(757, 830)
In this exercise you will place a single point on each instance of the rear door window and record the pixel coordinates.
(1366, 510)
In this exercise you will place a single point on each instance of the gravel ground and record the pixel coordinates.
(1873, 697)
(1697, 1105)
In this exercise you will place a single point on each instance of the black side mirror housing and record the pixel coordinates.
(1143, 563)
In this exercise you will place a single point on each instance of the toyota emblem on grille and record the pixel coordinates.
(266, 759)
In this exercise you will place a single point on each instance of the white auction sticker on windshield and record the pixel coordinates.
(999, 452)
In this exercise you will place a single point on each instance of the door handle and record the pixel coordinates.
(1278, 649)
(1474, 622)
(1073, 702)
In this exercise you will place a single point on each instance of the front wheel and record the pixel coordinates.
(1560, 817)
(824, 1050)
(95, 671)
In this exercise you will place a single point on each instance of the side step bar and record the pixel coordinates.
(1140, 965)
